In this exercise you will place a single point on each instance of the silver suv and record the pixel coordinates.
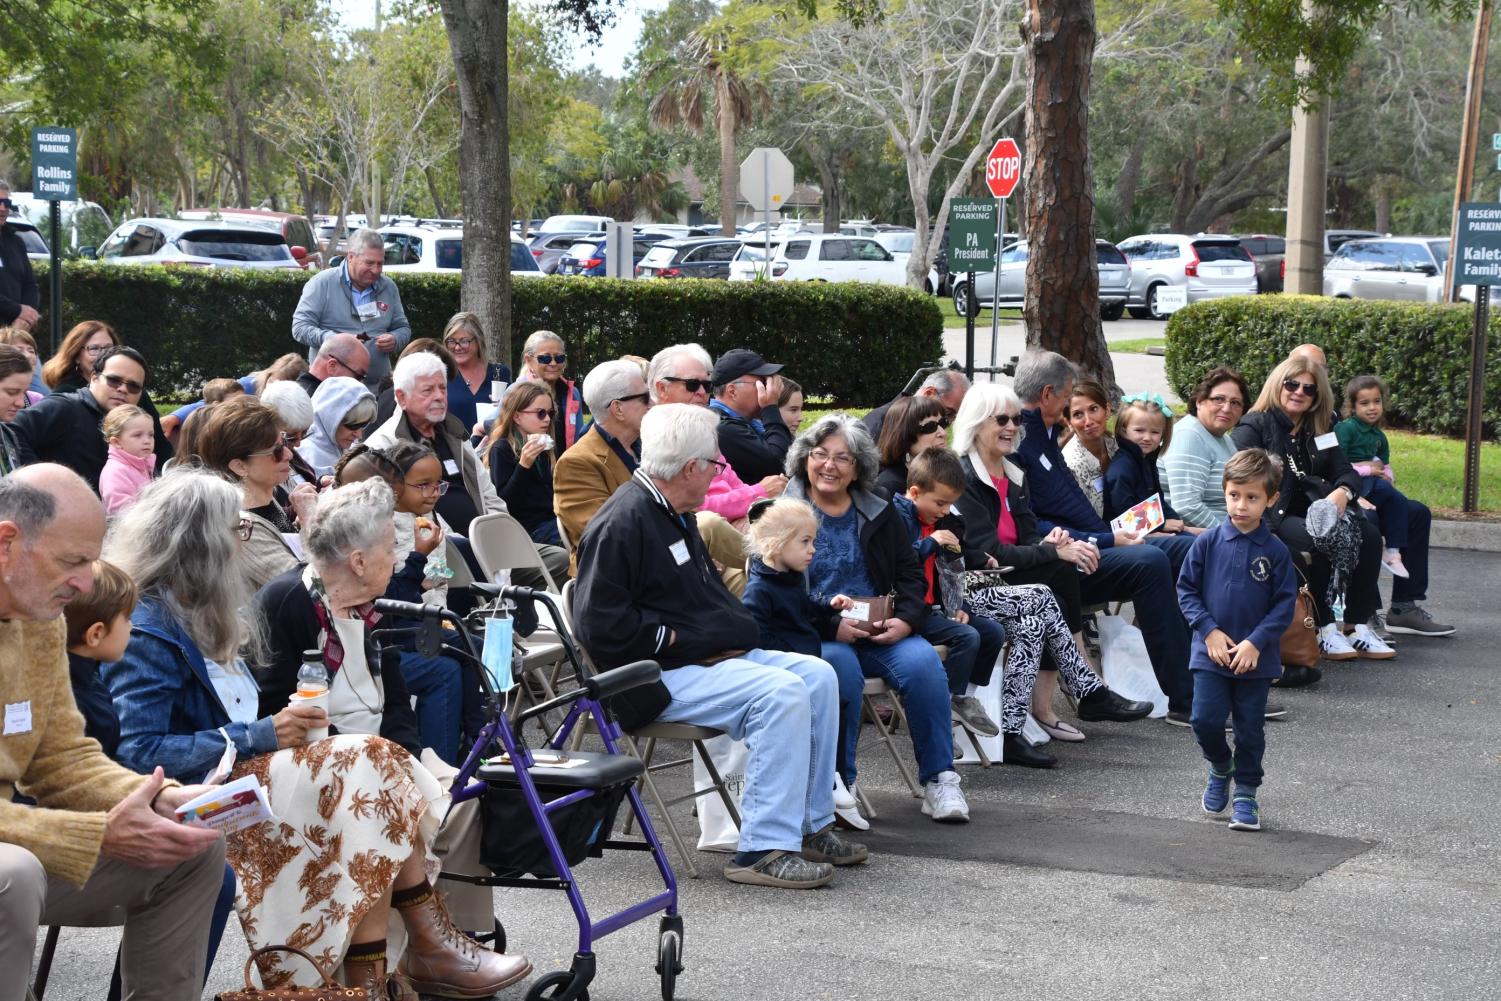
(1210, 267)
(1409, 268)
(1115, 280)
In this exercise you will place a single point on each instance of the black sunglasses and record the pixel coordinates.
(116, 381)
(7, 203)
(928, 427)
(1004, 419)
(559, 358)
(692, 385)
(643, 397)
(1308, 388)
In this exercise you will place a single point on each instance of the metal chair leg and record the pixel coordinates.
(724, 794)
(44, 963)
(672, 828)
(890, 742)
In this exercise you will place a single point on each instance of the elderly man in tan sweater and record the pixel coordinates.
(100, 836)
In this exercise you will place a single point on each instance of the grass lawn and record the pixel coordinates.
(953, 319)
(1137, 345)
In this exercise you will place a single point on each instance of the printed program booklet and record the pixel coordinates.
(229, 808)
(1141, 518)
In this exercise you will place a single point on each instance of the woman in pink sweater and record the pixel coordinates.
(132, 456)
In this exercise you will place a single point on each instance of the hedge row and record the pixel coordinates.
(856, 343)
(1421, 350)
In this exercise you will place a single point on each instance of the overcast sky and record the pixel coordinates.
(610, 55)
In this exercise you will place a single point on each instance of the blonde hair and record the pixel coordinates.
(778, 525)
(1321, 414)
(1149, 409)
(115, 422)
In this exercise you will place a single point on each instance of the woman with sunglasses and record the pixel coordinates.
(912, 424)
(476, 378)
(520, 458)
(544, 358)
(1292, 419)
(73, 367)
(342, 409)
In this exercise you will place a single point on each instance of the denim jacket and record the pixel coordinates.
(170, 714)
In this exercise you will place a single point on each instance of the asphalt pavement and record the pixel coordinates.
(1375, 879)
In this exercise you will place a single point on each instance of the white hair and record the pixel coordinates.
(354, 516)
(675, 434)
(417, 365)
(539, 338)
(983, 401)
(665, 363)
(607, 382)
(290, 403)
(364, 238)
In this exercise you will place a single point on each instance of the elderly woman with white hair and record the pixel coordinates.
(863, 551)
(1040, 605)
(342, 409)
(294, 416)
(356, 812)
(543, 359)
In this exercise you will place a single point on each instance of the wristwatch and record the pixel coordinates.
(1349, 494)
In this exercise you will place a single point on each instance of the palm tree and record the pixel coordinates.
(702, 68)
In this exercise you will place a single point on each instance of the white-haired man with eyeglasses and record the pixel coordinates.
(647, 589)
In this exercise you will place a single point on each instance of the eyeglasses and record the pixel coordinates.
(349, 368)
(1228, 401)
(719, 467)
(1004, 419)
(116, 381)
(843, 460)
(243, 529)
(459, 342)
(692, 385)
(277, 452)
(440, 488)
(928, 427)
(540, 414)
(293, 438)
(1293, 385)
(642, 397)
(558, 358)
(354, 425)
(95, 350)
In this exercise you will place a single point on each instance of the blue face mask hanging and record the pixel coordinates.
(497, 652)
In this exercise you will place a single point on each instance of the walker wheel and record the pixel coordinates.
(496, 940)
(669, 965)
(555, 987)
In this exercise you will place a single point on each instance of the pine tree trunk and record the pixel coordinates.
(1062, 305)
(477, 38)
(729, 167)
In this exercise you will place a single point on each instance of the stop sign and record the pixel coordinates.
(1003, 168)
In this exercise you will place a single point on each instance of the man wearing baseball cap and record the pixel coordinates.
(752, 434)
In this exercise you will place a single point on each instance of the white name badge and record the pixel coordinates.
(17, 717)
(679, 550)
(450, 467)
(1326, 440)
(368, 310)
(1046, 463)
(1097, 484)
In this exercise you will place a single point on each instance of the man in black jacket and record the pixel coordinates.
(648, 590)
(19, 296)
(64, 427)
(752, 434)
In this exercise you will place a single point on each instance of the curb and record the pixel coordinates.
(1476, 536)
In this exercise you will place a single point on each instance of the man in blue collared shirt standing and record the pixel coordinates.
(354, 298)
(1239, 593)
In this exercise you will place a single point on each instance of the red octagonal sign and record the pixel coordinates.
(1003, 168)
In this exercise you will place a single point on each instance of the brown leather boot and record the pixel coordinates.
(441, 960)
(378, 985)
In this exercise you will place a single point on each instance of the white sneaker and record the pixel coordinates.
(847, 808)
(942, 800)
(1333, 644)
(1369, 645)
(842, 798)
(1391, 562)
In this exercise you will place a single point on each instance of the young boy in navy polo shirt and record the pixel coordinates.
(1238, 593)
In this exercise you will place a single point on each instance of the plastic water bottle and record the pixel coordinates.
(1339, 607)
(312, 688)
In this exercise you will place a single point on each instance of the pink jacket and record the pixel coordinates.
(729, 496)
(124, 475)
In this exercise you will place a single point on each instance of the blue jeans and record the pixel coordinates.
(1143, 576)
(1176, 547)
(1391, 509)
(547, 533)
(1218, 696)
(785, 706)
(913, 669)
(1415, 524)
(438, 683)
(973, 648)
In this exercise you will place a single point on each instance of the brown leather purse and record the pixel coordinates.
(330, 991)
(1300, 642)
(871, 610)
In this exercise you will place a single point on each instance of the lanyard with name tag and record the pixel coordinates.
(1325, 440)
(368, 310)
(17, 717)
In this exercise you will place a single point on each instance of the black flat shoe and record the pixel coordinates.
(1104, 705)
(1297, 676)
(1016, 751)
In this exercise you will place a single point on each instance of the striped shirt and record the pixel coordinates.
(1194, 466)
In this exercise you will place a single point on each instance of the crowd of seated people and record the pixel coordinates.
(770, 568)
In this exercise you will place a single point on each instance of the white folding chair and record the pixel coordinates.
(500, 542)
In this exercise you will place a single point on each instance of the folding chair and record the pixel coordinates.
(113, 918)
(501, 543)
(873, 688)
(653, 732)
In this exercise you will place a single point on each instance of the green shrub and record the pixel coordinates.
(1421, 350)
(856, 343)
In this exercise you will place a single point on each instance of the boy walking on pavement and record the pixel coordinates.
(1238, 593)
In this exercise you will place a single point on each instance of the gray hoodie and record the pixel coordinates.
(335, 398)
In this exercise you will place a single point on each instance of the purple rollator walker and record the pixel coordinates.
(572, 807)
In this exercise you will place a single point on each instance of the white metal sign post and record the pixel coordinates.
(1003, 170)
(766, 181)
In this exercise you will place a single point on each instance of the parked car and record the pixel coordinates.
(1337, 238)
(703, 257)
(749, 261)
(1404, 268)
(674, 231)
(434, 249)
(295, 230)
(36, 246)
(1114, 271)
(574, 224)
(1269, 253)
(587, 257)
(828, 257)
(898, 243)
(201, 244)
(548, 248)
(1208, 266)
(85, 225)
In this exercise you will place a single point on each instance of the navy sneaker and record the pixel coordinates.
(1246, 815)
(1217, 792)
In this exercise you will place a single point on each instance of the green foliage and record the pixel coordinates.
(1421, 350)
(197, 323)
